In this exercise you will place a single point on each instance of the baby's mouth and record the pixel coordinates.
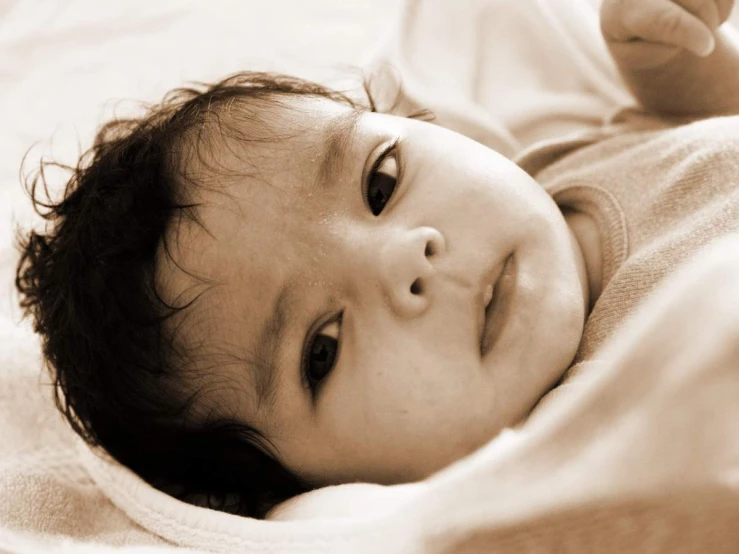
(495, 302)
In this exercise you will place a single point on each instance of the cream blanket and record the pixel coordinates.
(647, 453)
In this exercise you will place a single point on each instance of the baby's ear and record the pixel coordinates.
(480, 127)
(352, 500)
(383, 85)
(406, 97)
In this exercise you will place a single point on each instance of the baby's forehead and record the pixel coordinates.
(259, 138)
(284, 120)
(234, 171)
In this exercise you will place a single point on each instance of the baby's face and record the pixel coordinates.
(367, 315)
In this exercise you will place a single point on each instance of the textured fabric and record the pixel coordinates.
(658, 193)
(45, 491)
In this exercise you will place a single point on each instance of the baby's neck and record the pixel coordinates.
(585, 231)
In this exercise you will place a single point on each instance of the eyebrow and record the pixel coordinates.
(270, 346)
(338, 136)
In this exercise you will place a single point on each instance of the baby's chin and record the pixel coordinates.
(544, 332)
(549, 395)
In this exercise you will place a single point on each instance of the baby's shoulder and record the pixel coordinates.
(650, 143)
(720, 133)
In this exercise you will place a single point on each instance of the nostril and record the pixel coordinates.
(416, 287)
(429, 249)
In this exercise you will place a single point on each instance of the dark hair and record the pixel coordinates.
(89, 283)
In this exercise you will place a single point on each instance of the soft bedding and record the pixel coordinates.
(648, 446)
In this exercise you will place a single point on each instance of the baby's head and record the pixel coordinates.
(262, 287)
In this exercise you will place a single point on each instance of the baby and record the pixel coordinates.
(263, 287)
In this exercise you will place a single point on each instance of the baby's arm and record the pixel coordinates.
(673, 56)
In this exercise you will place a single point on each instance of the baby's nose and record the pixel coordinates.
(407, 268)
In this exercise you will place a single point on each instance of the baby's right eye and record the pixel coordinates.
(382, 180)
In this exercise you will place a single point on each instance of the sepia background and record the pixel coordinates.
(68, 66)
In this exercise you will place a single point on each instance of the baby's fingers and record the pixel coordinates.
(658, 21)
(724, 9)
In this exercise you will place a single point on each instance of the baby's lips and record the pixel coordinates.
(487, 297)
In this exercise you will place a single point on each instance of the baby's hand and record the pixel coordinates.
(648, 33)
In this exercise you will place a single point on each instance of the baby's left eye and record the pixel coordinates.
(382, 181)
(321, 354)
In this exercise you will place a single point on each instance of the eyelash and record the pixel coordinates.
(311, 384)
(388, 152)
(308, 382)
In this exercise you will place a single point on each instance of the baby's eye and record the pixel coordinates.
(321, 354)
(382, 180)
